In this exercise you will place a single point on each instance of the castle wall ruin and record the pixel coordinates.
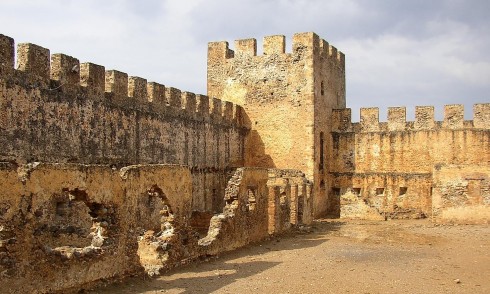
(386, 168)
(105, 175)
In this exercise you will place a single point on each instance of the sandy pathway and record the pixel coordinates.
(342, 257)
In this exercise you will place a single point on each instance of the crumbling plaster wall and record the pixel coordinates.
(66, 226)
(259, 202)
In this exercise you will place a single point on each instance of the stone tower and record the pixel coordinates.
(288, 100)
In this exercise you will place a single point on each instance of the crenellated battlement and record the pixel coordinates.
(424, 119)
(65, 74)
(276, 45)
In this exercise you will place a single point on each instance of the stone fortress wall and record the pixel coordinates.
(390, 168)
(58, 110)
(106, 175)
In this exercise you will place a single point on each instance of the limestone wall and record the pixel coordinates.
(276, 92)
(56, 109)
(461, 193)
(67, 226)
(287, 98)
(386, 151)
(329, 79)
(377, 195)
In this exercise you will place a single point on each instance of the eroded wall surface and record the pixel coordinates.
(329, 90)
(276, 91)
(387, 168)
(67, 226)
(461, 193)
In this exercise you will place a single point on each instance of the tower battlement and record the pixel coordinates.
(276, 45)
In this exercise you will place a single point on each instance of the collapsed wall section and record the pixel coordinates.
(56, 109)
(259, 202)
(385, 161)
(65, 227)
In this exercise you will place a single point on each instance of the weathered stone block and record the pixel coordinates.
(246, 47)
(137, 88)
(7, 54)
(65, 69)
(189, 101)
(92, 76)
(481, 116)
(453, 116)
(369, 119)
(274, 45)
(396, 118)
(33, 59)
(174, 97)
(116, 82)
(424, 117)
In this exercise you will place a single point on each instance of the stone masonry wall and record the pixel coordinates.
(64, 227)
(386, 162)
(329, 79)
(461, 193)
(56, 109)
(276, 92)
(287, 98)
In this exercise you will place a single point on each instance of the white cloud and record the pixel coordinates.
(398, 52)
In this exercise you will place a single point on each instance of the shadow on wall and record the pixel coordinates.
(254, 147)
(255, 155)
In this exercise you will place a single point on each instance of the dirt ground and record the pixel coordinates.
(413, 256)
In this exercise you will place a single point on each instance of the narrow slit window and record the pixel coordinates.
(320, 165)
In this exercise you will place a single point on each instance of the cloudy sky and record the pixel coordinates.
(398, 52)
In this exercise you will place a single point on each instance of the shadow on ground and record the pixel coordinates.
(215, 273)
